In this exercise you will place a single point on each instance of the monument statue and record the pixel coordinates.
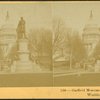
(21, 29)
(23, 64)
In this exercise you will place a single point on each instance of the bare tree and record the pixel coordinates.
(60, 35)
(77, 49)
(41, 46)
(96, 53)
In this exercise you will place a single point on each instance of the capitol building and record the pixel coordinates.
(91, 35)
(15, 52)
(7, 36)
(90, 38)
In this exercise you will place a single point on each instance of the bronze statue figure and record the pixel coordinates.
(21, 29)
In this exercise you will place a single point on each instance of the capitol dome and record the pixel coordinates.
(7, 31)
(7, 36)
(91, 34)
(91, 27)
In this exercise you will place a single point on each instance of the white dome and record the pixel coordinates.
(8, 27)
(91, 27)
(8, 32)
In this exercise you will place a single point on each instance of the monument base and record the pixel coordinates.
(5, 68)
(22, 67)
(25, 67)
(97, 66)
(24, 64)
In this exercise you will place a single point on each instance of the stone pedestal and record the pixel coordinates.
(23, 64)
(97, 66)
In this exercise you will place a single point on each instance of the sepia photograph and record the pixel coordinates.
(25, 44)
(50, 49)
(76, 43)
(49, 44)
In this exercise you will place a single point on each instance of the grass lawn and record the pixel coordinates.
(26, 80)
(85, 79)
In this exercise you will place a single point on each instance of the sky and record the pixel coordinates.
(35, 14)
(76, 14)
(40, 14)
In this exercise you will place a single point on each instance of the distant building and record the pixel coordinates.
(91, 34)
(7, 36)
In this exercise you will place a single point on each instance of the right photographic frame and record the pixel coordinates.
(76, 43)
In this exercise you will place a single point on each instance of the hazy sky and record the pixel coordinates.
(35, 14)
(76, 14)
(40, 14)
